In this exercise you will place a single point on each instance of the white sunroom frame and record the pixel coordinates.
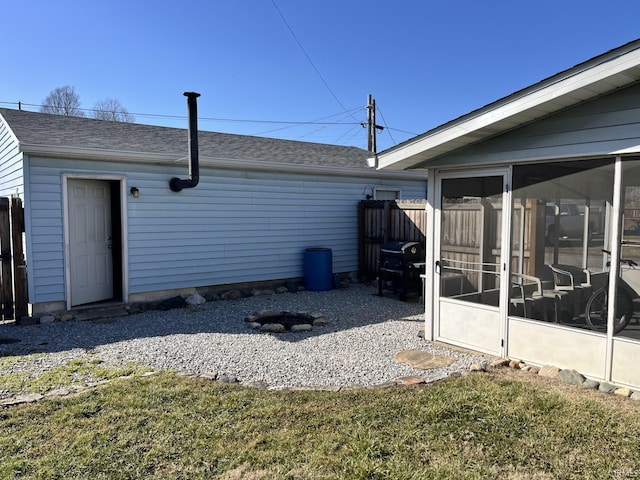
(438, 151)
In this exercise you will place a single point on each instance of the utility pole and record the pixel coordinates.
(371, 125)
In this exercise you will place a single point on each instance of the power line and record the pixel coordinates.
(385, 126)
(353, 129)
(295, 37)
(315, 122)
(326, 126)
(287, 123)
(403, 131)
(218, 119)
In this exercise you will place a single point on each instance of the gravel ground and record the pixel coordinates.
(355, 348)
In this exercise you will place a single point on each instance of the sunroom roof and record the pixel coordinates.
(600, 75)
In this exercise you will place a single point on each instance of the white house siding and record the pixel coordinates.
(11, 170)
(598, 127)
(235, 226)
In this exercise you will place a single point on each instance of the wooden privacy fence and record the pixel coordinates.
(383, 221)
(13, 284)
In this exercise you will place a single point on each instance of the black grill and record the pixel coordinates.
(400, 265)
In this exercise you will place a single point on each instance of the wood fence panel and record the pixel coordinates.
(19, 264)
(6, 278)
(406, 220)
(383, 221)
(13, 280)
(471, 239)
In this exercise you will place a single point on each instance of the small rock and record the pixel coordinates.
(171, 303)
(319, 322)
(379, 386)
(422, 360)
(212, 297)
(265, 313)
(592, 384)
(255, 325)
(535, 370)
(301, 327)
(65, 317)
(195, 299)
(136, 308)
(46, 319)
(606, 387)
(476, 368)
(251, 318)
(59, 392)
(281, 290)
(421, 332)
(209, 375)
(272, 328)
(571, 377)
(227, 379)
(623, 392)
(406, 381)
(33, 397)
(549, 371)
(500, 362)
(258, 293)
(635, 396)
(514, 364)
(232, 295)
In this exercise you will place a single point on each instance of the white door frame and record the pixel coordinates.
(123, 229)
(434, 212)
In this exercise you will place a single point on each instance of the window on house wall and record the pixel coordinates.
(387, 194)
(560, 225)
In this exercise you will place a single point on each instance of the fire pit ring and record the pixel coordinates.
(284, 321)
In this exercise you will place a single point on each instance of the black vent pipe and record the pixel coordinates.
(177, 184)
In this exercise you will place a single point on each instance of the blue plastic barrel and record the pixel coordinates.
(318, 269)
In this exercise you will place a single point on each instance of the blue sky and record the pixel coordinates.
(425, 62)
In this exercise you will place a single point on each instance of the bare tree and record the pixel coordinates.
(62, 101)
(112, 109)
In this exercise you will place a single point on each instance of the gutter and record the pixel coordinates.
(82, 153)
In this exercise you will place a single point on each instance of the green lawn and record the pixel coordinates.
(167, 426)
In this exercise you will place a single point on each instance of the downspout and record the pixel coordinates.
(177, 184)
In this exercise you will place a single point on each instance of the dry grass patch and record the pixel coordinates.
(165, 426)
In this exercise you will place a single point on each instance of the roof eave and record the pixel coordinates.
(584, 82)
(56, 151)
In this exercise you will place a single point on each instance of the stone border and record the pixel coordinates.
(75, 390)
(69, 391)
(192, 301)
(568, 376)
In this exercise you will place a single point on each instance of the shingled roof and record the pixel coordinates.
(39, 131)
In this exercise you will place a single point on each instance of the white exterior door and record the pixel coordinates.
(90, 241)
(470, 260)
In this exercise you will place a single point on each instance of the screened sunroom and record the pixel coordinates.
(534, 221)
